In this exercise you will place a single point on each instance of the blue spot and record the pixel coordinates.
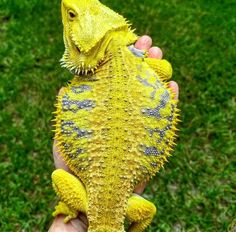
(69, 128)
(75, 105)
(136, 52)
(68, 149)
(151, 151)
(80, 89)
(145, 82)
(155, 112)
(154, 164)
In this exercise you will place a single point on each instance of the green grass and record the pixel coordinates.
(196, 191)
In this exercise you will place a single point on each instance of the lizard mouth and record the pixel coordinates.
(85, 61)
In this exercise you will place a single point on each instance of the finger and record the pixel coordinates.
(143, 43)
(140, 188)
(174, 86)
(155, 52)
(58, 161)
(75, 225)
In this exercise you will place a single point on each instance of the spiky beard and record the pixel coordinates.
(76, 69)
(68, 64)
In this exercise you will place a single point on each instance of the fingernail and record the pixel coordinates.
(144, 43)
(146, 40)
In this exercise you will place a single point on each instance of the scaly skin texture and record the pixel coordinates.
(115, 121)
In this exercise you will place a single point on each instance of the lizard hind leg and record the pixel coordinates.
(140, 213)
(72, 194)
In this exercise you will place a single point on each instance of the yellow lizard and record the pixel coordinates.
(115, 122)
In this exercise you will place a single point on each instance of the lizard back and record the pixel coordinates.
(115, 129)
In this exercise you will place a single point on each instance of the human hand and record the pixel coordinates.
(80, 224)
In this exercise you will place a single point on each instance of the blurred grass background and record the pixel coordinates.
(196, 191)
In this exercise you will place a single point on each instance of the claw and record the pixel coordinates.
(62, 208)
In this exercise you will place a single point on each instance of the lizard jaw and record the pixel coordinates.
(83, 63)
(76, 68)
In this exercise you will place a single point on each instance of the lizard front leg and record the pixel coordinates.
(161, 67)
(140, 213)
(73, 197)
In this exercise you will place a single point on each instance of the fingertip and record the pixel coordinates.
(175, 87)
(155, 52)
(144, 42)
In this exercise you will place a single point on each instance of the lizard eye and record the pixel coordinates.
(71, 14)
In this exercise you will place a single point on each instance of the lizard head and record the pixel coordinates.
(88, 28)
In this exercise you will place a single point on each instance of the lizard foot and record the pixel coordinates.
(62, 208)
